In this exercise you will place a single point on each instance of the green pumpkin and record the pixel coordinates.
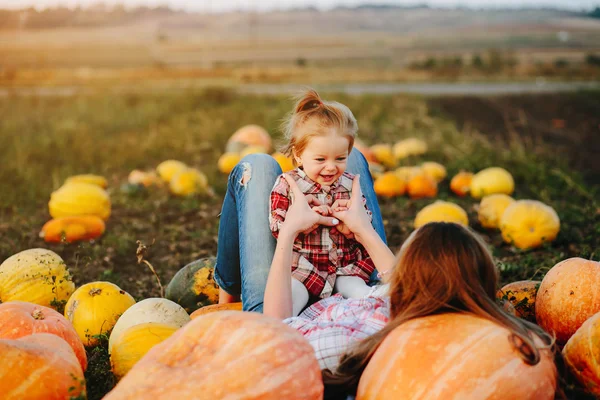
(193, 286)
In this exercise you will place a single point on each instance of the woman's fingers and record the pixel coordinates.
(356, 192)
(312, 200)
(339, 203)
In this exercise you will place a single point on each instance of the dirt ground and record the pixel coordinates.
(564, 125)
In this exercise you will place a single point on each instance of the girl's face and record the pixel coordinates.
(324, 158)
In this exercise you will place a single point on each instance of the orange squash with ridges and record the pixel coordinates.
(454, 356)
(227, 355)
(582, 354)
(39, 366)
(73, 229)
(19, 319)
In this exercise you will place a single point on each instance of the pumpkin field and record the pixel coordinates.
(146, 229)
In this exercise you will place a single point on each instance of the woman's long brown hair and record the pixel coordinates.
(442, 267)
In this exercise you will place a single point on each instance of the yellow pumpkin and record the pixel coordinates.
(89, 178)
(134, 342)
(227, 161)
(167, 169)
(491, 209)
(78, 198)
(155, 310)
(529, 223)
(389, 185)
(95, 307)
(406, 173)
(37, 276)
(250, 135)
(435, 170)
(145, 178)
(383, 153)
(284, 162)
(491, 181)
(409, 147)
(188, 182)
(441, 211)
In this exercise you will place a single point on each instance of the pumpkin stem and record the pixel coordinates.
(38, 314)
(95, 291)
(140, 253)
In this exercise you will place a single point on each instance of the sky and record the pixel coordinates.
(263, 5)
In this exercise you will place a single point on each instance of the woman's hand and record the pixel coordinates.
(300, 217)
(352, 213)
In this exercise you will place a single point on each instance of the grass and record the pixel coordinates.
(47, 139)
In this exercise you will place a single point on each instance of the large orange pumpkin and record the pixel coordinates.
(582, 354)
(226, 355)
(422, 185)
(454, 356)
(18, 319)
(568, 296)
(216, 307)
(39, 366)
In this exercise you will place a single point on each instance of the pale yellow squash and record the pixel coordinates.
(491, 181)
(167, 169)
(79, 198)
(491, 209)
(36, 276)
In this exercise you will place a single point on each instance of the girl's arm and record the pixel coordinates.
(299, 217)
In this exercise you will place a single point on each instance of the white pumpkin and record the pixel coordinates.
(157, 310)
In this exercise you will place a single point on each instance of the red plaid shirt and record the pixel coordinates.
(319, 256)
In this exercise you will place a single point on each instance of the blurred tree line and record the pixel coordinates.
(97, 15)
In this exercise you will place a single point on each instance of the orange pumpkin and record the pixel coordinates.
(39, 366)
(461, 183)
(229, 354)
(216, 307)
(454, 356)
(82, 227)
(422, 185)
(250, 135)
(18, 319)
(582, 354)
(568, 296)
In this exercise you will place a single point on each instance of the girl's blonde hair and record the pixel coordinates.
(330, 114)
(442, 267)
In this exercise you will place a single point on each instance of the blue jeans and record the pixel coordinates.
(245, 244)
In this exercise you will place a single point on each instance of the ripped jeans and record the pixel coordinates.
(245, 244)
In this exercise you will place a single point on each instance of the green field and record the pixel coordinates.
(47, 139)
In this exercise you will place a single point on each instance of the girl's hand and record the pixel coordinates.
(322, 210)
(352, 212)
(300, 217)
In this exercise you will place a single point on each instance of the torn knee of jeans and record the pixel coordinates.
(246, 174)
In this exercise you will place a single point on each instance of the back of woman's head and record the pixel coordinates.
(442, 267)
(320, 117)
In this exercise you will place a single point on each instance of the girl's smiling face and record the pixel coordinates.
(325, 157)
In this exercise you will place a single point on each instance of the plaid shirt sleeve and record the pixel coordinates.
(369, 213)
(279, 204)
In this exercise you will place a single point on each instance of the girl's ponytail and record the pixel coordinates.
(309, 101)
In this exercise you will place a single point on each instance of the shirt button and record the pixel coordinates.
(333, 246)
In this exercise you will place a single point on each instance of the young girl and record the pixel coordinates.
(320, 137)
